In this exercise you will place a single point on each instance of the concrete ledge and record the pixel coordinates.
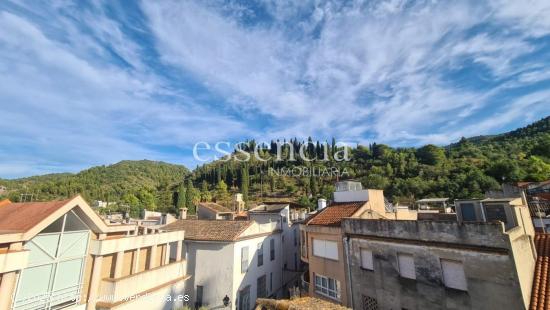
(13, 260)
(109, 246)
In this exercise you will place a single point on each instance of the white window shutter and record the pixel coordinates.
(453, 275)
(366, 259)
(406, 266)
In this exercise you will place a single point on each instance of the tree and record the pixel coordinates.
(244, 182)
(182, 200)
(191, 197)
(504, 170)
(221, 192)
(537, 169)
(430, 155)
(205, 193)
(147, 200)
(313, 186)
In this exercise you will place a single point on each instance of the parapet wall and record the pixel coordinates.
(474, 234)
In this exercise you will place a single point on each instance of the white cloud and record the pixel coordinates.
(395, 71)
(66, 106)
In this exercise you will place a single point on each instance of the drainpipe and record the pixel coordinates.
(347, 253)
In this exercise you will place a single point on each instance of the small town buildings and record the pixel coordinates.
(322, 237)
(61, 254)
(3, 189)
(238, 261)
(482, 260)
(213, 211)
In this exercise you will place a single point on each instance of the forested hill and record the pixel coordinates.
(143, 184)
(464, 169)
(461, 170)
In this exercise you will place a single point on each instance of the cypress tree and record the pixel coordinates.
(190, 196)
(182, 201)
(244, 182)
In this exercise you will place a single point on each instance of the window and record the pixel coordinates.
(468, 212)
(495, 213)
(53, 278)
(260, 254)
(453, 274)
(272, 249)
(261, 287)
(366, 259)
(244, 259)
(244, 298)
(369, 303)
(304, 243)
(198, 302)
(406, 266)
(325, 248)
(327, 287)
(271, 281)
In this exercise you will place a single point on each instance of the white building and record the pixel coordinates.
(240, 260)
(287, 221)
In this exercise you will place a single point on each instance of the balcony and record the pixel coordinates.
(13, 260)
(108, 246)
(128, 287)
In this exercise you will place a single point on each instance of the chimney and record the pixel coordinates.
(183, 213)
(321, 204)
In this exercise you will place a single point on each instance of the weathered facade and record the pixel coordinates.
(442, 264)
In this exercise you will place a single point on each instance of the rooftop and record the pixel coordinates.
(210, 230)
(214, 207)
(540, 299)
(333, 214)
(302, 303)
(22, 216)
(268, 208)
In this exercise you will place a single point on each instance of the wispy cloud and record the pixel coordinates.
(96, 83)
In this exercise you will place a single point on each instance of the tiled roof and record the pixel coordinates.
(4, 202)
(210, 230)
(214, 207)
(333, 214)
(540, 294)
(21, 217)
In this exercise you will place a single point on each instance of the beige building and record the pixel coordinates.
(213, 211)
(60, 254)
(484, 259)
(322, 237)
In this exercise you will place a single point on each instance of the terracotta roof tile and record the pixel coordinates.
(333, 214)
(210, 230)
(21, 217)
(5, 202)
(540, 294)
(214, 207)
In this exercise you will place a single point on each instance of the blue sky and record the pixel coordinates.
(90, 83)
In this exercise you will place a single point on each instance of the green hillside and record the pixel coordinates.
(461, 170)
(141, 184)
(464, 169)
